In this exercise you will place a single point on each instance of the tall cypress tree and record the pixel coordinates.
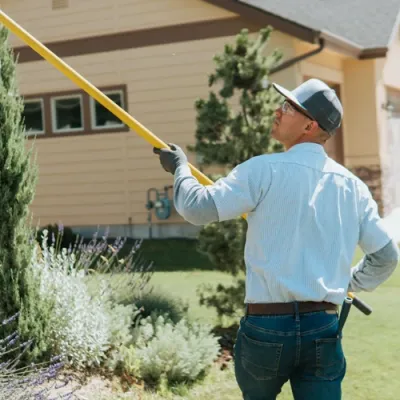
(18, 176)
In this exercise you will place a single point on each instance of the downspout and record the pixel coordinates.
(295, 60)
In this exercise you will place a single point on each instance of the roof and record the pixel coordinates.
(367, 23)
(363, 28)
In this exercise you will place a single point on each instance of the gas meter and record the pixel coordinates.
(161, 204)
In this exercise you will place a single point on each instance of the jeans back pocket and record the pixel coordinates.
(330, 358)
(260, 359)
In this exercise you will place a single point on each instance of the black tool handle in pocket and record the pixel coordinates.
(362, 306)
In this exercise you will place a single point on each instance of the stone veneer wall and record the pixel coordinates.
(372, 176)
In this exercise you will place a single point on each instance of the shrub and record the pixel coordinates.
(226, 299)
(174, 353)
(124, 360)
(78, 324)
(163, 304)
(83, 327)
(59, 236)
(17, 187)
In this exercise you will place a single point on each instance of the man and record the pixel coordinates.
(306, 215)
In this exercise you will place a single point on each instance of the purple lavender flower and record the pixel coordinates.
(13, 341)
(11, 319)
(106, 233)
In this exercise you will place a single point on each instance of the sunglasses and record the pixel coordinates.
(290, 109)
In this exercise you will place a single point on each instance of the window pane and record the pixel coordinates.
(68, 113)
(105, 118)
(33, 116)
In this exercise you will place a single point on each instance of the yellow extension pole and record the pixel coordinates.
(90, 89)
(65, 69)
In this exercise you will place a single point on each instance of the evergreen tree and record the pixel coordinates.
(18, 174)
(233, 125)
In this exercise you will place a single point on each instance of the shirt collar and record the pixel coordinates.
(308, 148)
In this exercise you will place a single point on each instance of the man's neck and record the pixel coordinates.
(302, 140)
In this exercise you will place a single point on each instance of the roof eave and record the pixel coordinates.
(333, 42)
(264, 18)
(350, 48)
(377, 52)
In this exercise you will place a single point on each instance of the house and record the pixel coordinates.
(153, 58)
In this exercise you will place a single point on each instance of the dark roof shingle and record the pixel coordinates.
(367, 23)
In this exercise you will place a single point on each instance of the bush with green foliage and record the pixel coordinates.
(17, 187)
(59, 236)
(234, 125)
(163, 304)
(227, 300)
(163, 352)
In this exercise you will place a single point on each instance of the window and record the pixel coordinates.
(73, 113)
(33, 115)
(103, 118)
(67, 113)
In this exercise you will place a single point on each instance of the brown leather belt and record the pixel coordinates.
(288, 308)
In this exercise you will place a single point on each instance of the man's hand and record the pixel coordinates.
(172, 158)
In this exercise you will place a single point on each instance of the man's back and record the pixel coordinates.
(307, 223)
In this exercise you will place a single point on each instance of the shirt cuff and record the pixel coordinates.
(182, 170)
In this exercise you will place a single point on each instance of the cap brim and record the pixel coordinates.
(286, 93)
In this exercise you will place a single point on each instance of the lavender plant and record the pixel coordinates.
(85, 325)
(34, 381)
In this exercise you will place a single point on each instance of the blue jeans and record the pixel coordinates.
(303, 348)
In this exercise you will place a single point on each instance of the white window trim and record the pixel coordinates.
(93, 111)
(54, 113)
(34, 132)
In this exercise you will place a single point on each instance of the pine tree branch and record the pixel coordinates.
(244, 111)
(245, 115)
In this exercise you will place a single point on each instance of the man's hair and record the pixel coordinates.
(322, 135)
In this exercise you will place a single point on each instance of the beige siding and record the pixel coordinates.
(327, 58)
(361, 121)
(103, 179)
(96, 17)
(391, 75)
(309, 68)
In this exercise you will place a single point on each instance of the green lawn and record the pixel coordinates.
(371, 343)
(185, 284)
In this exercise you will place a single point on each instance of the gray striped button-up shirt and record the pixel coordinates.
(306, 215)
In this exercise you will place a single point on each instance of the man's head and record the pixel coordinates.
(310, 113)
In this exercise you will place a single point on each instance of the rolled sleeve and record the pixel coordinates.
(241, 191)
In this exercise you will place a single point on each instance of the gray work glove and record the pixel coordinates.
(172, 158)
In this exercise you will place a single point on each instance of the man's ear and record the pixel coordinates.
(312, 127)
(309, 127)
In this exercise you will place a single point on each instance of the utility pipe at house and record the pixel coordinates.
(297, 59)
(119, 112)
